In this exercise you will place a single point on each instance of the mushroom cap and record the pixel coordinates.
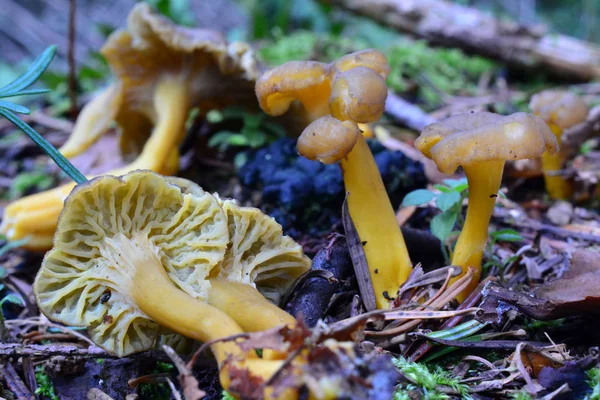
(328, 139)
(152, 47)
(368, 58)
(109, 228)
(259, 254)
(305, 81)
(465, 139)
(559, 107)
(358, 95)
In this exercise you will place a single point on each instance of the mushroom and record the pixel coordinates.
(258, 256)
(130, 259)
(560, 110)
(162, 72)
(481, 143)
(338, 96)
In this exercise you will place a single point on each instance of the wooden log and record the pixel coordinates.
(451, 25)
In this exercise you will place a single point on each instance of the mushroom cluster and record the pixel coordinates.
(140, 255)
(560, 110)
(481, 143)
(162, 71)
(337, 98)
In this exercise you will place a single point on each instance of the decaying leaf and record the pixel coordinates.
(577, 292)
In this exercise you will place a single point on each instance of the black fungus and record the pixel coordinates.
(314, 192)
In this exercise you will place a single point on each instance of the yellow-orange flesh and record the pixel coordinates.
(484, 182)
(375, 221)
(558, 187)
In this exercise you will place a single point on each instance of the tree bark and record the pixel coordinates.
(451, 25)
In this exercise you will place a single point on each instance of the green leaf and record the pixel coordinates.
(28, 92)
(54, 154)
(446, 201)
(418, 197)
(442, 188)
(12, 298)
(442, 225)
(1, 287)
(31, 75)
(507, 235)
(12, 245)
(453, 183)
(14, 107)
(220, 138)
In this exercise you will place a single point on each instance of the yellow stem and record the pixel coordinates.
(250, 309)
(171, 104)
(375, 221)
(558, 188)
(93, 121)
(484, 182)
(167, 305)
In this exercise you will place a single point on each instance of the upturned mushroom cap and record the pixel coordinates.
(306, 81)
(368, 58)
(152, 47)
(328, 139)
(469, 138)
(358, 95)
(111, 227)
(259, 254)
(559, 107)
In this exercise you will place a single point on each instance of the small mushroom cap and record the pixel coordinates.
(152, 48)
(358, 95)
(328, 139)
(368, 58)
(259, 254)
(305, 81)
(111, 227)
(466, 139)
(559, 107)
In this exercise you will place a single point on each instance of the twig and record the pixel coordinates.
(50, 324)
(14, 383)
(488, 344)
(521, 367)
(407, 113)
(71, 59)
(49, 350)
(480, 360)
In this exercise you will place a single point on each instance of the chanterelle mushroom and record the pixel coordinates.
(481, 143)
(338, 96)
(560, 110)
(131, 257)
(162, 71)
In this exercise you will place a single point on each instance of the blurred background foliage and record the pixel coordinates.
(283, 30)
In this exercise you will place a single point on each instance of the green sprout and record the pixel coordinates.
(45, 385)
(427, 380)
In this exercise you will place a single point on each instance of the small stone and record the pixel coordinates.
(560, 213)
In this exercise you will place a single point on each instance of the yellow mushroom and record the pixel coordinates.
(560, 110)
(162, 71)
(481, 143)
(131, 258)
(338, 96)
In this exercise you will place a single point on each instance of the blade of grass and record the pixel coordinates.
(14, 107)
(54, 154)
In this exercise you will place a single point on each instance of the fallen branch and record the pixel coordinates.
(451, 25)
(46, 351)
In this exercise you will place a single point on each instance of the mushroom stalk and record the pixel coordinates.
(250, 309)
(484, 182)
(171, 105)
(374, 218)
(557, 187)
(156, 296)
